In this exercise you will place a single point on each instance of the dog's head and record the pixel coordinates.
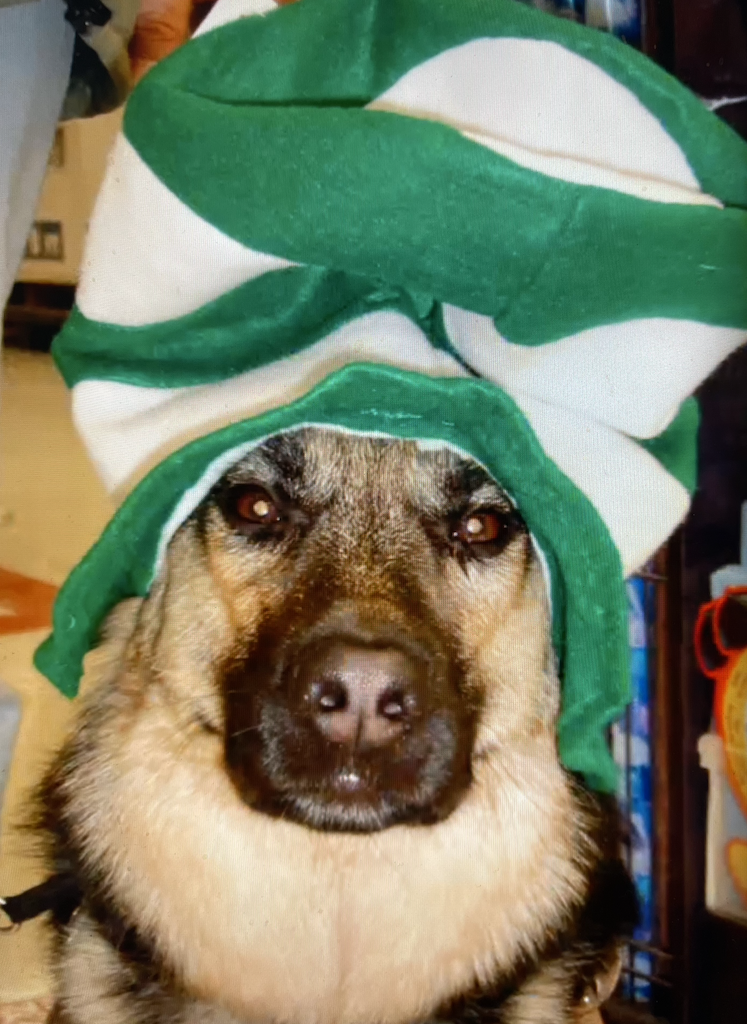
(361, 620)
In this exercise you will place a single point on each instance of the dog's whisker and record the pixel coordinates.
(241, 732)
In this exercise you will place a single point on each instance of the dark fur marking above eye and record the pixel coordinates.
(287, 454)
(464, 480)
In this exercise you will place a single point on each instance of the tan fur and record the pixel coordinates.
(91, 980)
(89, 977)
(542, 1000)
(273, 920)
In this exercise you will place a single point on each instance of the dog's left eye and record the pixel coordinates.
(255, 505)
(480, 527)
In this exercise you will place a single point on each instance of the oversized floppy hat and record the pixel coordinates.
(455, 221)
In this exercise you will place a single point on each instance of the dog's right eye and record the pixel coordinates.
(255, 505)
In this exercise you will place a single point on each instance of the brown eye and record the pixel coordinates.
(255, 505)
(480, 527)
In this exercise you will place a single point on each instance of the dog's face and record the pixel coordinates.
(357, 599)
(330, 728)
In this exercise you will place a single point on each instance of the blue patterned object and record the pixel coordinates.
(569, 8)
(621, 17)
(631, 740)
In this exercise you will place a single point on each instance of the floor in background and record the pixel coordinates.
(52, 508)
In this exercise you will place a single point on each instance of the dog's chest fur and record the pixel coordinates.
(274, 920)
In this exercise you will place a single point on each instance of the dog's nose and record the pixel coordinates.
(359, 696)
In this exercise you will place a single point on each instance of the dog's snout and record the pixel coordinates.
(361, 696)
(359, 723)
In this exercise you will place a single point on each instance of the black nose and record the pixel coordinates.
(359, 696)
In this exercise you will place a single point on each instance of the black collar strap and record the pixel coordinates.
(60, 894)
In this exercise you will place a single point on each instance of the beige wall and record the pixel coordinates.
(69, 194)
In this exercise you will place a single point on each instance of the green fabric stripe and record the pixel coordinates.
(261, 321)
(677, 447)
(588, 593)
(416, 204)
(348, 52)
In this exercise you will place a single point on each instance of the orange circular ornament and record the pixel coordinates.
(721, 649)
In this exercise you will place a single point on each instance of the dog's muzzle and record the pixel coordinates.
(354, 729)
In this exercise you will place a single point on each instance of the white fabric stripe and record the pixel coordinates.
(572, 170)
(543, 99)
(149, 258)
(127, 429)
(226, 11)
(639, 501)
(632, 376)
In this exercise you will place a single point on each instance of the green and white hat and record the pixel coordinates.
(449, 220)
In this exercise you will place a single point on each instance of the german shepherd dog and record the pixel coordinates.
(315, 779)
